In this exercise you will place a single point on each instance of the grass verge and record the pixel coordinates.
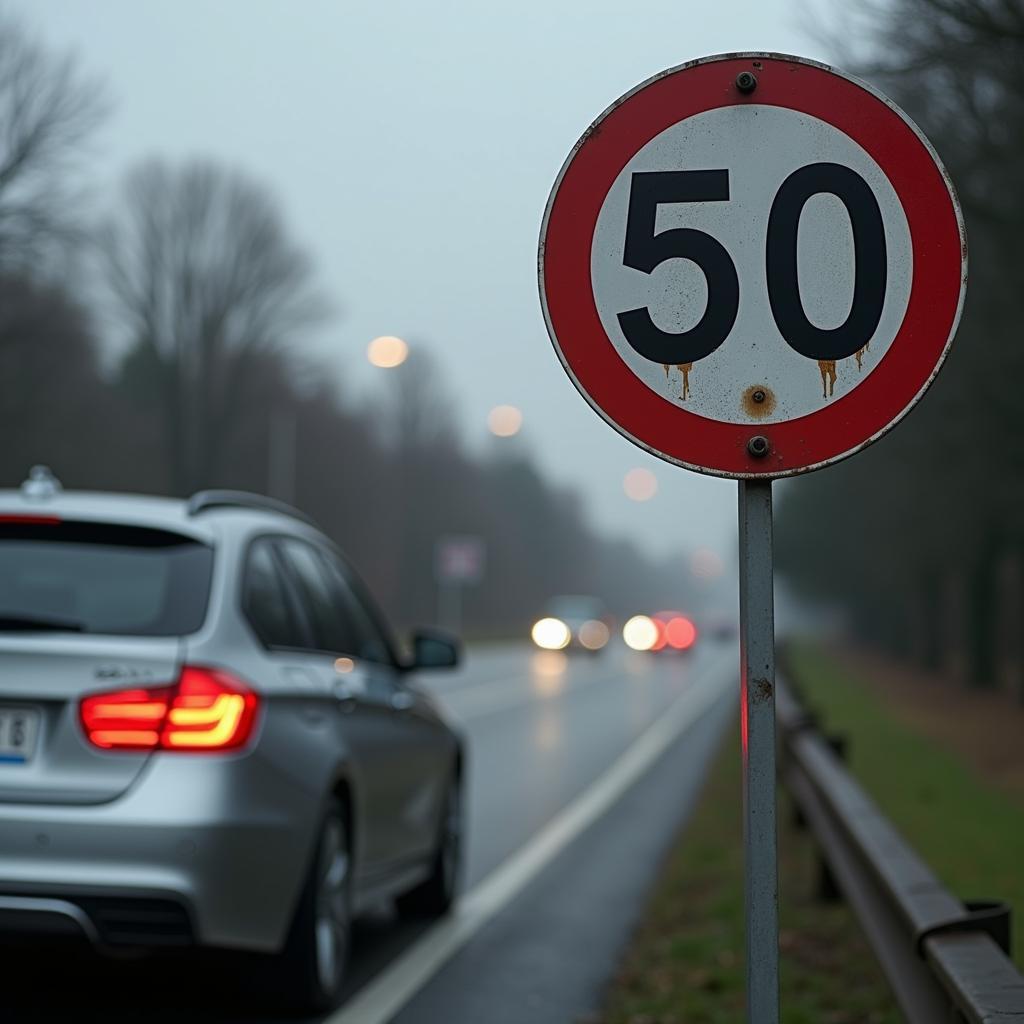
(685, 964)
(970, 831)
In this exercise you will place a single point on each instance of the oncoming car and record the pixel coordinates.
(207, 736)
(573, 622)
(662, 631)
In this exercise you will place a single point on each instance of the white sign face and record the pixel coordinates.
(754, 149)
(752, 265)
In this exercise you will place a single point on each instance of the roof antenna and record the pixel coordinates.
(41, 483)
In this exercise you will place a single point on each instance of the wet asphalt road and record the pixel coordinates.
(541, 727)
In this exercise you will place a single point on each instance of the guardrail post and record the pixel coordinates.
(827, 889)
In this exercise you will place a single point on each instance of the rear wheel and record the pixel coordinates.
(309, 972)
(434, 896)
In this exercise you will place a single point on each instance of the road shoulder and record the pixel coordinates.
(547, 957)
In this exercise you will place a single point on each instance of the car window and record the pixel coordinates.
(265, 599)
(102, 578)
(331, 620)
(373, 645)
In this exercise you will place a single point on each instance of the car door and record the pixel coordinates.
(300, 725)
(365, 723)
(422, 753)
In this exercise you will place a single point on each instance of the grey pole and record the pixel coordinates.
(449, 605)
(757, 665)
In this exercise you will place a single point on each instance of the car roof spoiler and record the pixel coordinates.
(204, 501)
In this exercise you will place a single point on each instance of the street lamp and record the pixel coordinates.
(504, 421)
(387, 352)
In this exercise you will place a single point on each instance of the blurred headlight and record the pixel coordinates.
(551, 634)
(593, 634)
(640, 633)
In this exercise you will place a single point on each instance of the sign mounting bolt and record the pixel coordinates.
(746, 81)
(758, 446)
(758, 395)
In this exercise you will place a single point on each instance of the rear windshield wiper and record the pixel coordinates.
(34, 623)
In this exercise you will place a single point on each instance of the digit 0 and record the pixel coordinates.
(869, 261)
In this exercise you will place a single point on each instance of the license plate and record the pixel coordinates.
(19, 728)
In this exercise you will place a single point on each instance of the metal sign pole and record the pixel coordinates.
(757, 665)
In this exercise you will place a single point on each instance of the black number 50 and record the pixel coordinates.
(645, 249)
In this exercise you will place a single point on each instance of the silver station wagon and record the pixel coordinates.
(208, 737)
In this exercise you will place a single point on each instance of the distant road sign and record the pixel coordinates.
(752, 265)
(459, 559)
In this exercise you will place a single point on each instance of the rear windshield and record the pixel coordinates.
(101, 578)
(576, 607)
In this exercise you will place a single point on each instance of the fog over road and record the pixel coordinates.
(580, 770)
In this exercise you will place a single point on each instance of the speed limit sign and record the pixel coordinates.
(752, 265)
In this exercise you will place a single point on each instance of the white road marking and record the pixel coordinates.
(379, 1000)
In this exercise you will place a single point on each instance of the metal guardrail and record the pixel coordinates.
(946, 961)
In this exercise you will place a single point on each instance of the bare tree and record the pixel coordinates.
(205, 282)
(930, 518)
(47, 110)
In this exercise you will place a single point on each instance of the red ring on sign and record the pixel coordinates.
(848, 423)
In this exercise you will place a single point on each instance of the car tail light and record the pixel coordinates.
(207, 709)
(126, 720)
(211, 710)
(662, 635)
(680, 633)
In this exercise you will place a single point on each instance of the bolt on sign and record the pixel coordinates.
(752, 265)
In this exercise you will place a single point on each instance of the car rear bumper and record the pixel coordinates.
(215, 869)
(104, 921)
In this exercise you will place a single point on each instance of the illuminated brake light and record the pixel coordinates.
(680, 632)
(127, 719)
(661, 637)
(206, 710)
(211, 710)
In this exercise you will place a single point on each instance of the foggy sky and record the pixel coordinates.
(412, 146)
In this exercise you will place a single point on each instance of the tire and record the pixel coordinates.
(308, 974)
(435, 896)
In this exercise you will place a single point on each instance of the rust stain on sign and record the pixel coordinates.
(859, 354)
(758, 401)
(684, 369)
(827, 369)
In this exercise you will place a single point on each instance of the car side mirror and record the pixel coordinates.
(434, 649)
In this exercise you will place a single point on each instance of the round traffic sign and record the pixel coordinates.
(752, 265)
